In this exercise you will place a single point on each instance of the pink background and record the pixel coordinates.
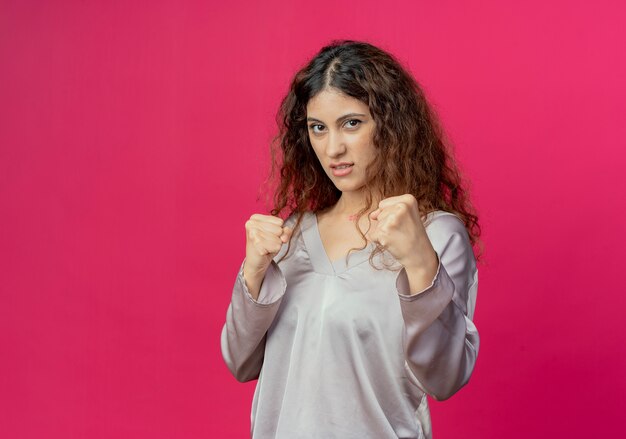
(131, 135)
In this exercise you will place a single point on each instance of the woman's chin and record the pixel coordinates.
(349, 188)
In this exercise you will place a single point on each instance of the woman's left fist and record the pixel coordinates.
(398, 227)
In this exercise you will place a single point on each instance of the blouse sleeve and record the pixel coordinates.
(440, 340)
(247, 322)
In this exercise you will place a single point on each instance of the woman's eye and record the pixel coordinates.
(314, 126)
(353, 123)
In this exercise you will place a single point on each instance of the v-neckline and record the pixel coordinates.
(319, 258)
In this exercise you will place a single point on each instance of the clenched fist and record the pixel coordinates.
(398, 227)
(265, 236)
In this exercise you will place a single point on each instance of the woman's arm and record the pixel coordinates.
(440, 340)
(247, 321)
(254, 305)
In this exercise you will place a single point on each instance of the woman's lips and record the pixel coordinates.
(341, 170)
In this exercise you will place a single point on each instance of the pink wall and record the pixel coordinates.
(130, 141)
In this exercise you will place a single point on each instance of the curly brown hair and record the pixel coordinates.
(414, 155)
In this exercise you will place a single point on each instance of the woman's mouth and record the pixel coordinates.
(341, 170)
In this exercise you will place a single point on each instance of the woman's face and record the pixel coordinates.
(340, 130)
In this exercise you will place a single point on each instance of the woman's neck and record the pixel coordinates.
(349, 204)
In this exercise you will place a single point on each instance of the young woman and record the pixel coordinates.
(360, 304)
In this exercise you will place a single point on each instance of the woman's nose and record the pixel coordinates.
(336, 144)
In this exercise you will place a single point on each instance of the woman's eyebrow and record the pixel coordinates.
(345, 116)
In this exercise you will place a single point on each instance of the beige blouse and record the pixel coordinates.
(343, 351)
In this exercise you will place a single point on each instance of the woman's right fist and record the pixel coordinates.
(265, 236)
